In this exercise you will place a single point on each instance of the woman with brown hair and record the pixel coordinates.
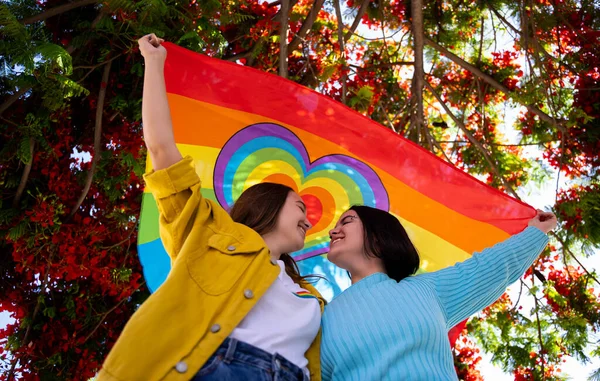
(234, 306)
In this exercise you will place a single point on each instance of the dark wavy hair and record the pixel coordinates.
(385, 238)
(258, 208)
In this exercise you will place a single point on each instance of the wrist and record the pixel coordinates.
(154, 61)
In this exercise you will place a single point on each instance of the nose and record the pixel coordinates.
(307, 224)
(333, 232)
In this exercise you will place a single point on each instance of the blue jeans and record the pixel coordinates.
(236, 360)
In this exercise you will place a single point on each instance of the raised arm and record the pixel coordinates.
(156, 116)
(470, 286)
(173, 181)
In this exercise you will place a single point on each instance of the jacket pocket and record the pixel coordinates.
(217, 268)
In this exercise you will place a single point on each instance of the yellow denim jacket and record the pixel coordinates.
(214, 261)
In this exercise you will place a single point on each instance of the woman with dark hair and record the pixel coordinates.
(234, 306)
(393, 325)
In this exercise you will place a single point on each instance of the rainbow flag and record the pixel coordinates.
(243, 126)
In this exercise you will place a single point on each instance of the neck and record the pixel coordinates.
(367, 269)
(273, 247)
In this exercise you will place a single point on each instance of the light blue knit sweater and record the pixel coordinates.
(379, 329)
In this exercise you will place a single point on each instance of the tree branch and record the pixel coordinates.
(536, 43)
(298, 37)
(25, 175)
(306, 25)
(361, 12)
(567, 250)
(387, 117)
(94, 67)
(439, 147)
(36, 310)
(380, 38)
(481, 41)
(13, 98)
(283, 45)
(276, 17)
(514, 307)
(57, 11)
(560, 166)
(498, 144)
(108, 313)
(492, 82)
(539, 329)
(97, 138)
(417, 118)
(384, 64)
(474, 141)
(340, 31)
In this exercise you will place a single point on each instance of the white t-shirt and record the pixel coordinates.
(285, 320)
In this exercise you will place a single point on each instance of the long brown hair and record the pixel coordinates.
(258, 208)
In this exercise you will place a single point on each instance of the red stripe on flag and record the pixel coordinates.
(245, 89)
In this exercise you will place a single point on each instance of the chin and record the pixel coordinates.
(297, 247)
(331, 258)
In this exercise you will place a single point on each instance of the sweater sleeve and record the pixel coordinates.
(470, 286)
(176, 190)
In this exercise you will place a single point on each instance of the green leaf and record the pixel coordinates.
(71, 88)
(24, 152)
(236, 18)
(6, 215)
(106, 24)
(70, 305)
(10, 27)
(56, 55)
(328, 71)
(362, 98)
(137, 69)
(18, 230)
(365, 92)
(595, 375)
(191, 35)
(55, 359)
(50, 312)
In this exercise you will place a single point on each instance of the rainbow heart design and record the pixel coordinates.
(329, 185)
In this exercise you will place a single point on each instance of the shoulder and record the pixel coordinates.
(420, 281)
(224, 232)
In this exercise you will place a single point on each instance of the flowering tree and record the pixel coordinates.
(441, 73)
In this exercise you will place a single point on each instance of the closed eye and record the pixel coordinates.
(348, 219)
(301, 205)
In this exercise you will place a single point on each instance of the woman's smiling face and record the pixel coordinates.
(347, 240)
(292, 224)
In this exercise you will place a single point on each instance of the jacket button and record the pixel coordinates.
(215, 328)
(181, 367)
(231, 248)
(248, 294)
(273, 261)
